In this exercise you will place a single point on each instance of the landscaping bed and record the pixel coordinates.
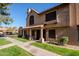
(58, 50)
(14, 51)
(20, 39)
(3, 41)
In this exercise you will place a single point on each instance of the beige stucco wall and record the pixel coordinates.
(77, 13)
(37, 19)
(62, 32)
(73, 25)
(63, 16)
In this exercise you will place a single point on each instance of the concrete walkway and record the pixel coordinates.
(69, 47)
(7, 45)
(32, 49)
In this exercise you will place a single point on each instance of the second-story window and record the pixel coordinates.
(50, 16)
(31, 21)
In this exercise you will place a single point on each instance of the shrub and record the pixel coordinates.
(63, 40)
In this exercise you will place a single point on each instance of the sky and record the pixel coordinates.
(18, 12)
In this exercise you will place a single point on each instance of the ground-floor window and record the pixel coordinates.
(78, 31)
(52, 33)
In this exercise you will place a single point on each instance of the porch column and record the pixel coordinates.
(35, 34)
(42, 39)
(30, 35)
(46, 34)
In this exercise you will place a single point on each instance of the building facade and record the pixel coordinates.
(54, 23)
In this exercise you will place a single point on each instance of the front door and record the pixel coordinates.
(38, 34)
(44, 34)
(33, 34)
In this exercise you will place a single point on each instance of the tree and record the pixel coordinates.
(4, 14)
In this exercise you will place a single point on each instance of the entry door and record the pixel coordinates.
(38, 35)
(44, 34)
(33, 34)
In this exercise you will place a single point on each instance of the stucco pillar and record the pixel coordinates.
(77, 13)
(35, 34)
(47, 34)
(30, 37)
(73, 26)
(41, 38)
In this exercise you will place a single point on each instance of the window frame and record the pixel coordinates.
(50, 16)
(31, 20)
(51, 33)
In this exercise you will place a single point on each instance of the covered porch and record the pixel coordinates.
(37, 33)
(47, 33)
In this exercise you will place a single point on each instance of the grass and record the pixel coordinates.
(20, 39)
(14, 51)
(3, 41)
(58, 50)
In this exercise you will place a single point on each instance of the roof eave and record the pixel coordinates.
(54, 7)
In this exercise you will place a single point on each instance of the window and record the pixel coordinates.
(51, 33)
(51, 16)
(31, 22)
(78, 31)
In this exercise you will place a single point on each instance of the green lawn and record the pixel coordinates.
(58, 50)
(3, 41)
(14, 51)
(20, 39)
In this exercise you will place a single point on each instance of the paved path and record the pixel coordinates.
(32, 49)
(70, 47)
(73, 47)
(6, 46)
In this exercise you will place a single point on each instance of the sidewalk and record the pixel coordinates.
(70, 47)
(6, 46)
(32, 49)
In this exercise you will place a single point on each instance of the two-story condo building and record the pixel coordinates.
(54, 23)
